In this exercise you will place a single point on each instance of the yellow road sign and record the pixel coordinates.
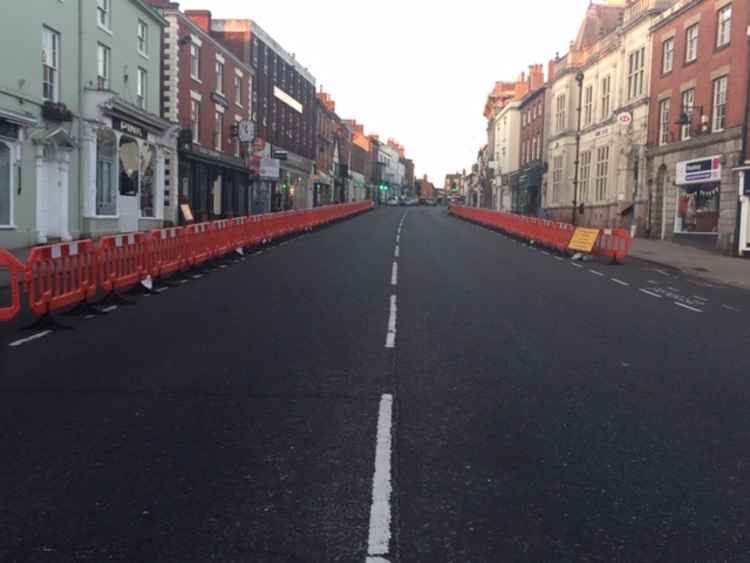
(583, 239)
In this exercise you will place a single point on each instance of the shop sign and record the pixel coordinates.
(219, 99)
(129, 128)
(270, 168)
(699, 171)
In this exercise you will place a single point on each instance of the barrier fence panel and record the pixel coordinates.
(168, 251)
(611, 243)
(60, 275)
(123, 261)
(15, 270)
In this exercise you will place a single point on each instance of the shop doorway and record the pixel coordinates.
(127, 200)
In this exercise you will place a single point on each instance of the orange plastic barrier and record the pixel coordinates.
(168, 251)
(60, 275)
(612, 243)
(198, 239)
(15, 270)
(123, 260)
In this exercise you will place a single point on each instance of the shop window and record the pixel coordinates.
(6, 180)
(129, 166)
(106, 192)
(148, 181)
(698, 209)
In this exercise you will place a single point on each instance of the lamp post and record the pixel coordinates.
(579, 80)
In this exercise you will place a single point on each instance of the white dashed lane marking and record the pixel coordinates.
(394, 274)
(688, 307)
(379, 541)
(31, 338)
(652, 294)
(620, 282)
(596, 273)
(390, 338)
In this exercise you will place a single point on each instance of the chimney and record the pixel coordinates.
(536, 77)
(201, 18)
(551, 70)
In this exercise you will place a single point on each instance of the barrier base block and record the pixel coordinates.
(47, 322)
(115, 299)
(84, 309)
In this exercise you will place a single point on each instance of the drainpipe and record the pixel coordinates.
(743, 159)
(81, 203)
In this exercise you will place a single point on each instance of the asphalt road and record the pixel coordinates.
(480, 402)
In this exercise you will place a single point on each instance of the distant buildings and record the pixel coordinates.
(642, 125)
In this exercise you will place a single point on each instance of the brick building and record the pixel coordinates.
(361, 162)
(527, 196)
(206, 89)
(697, 118)
(324, 172)
(409, 180)
(284, 109)
(424, 188)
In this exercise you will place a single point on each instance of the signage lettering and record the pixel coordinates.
(129, 128)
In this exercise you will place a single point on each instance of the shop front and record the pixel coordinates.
(216, 186)
(322, 189)
(529, 190)
(744, 245)
(127, 157)
(295, 190)
(698, 184)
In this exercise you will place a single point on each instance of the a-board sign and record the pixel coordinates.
(187, 213)
(583, 239)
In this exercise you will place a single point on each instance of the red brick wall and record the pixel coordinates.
(735, 57)
(533, 105)
(207, 86)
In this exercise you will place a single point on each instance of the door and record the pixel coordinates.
(49, 187)
(129, 181)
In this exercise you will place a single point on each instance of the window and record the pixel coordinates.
(106, 192)
(719, 121)
(606, 86)
(237, 141)
(218, 129)
(588, 105)
(688, 100)
(667, 57)
(585, 176)
(142, 37)
(195, 119)
(148, 181)
(237, 90)
(104, 13)
(141, 88)
(636, 63)
(195, 61)
(50, 64)
(724, 26)
(602, 172)
(557, 173)
(560, 113)
(219, 77)
(6, 182)
(691, 44)
(103, 64)
(665, 107)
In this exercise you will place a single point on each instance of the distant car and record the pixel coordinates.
(430, 202)
(392, 202)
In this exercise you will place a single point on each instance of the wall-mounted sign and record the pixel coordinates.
(219, 99)
(699, 171)
(129, 128)
(625, 118)
(287, 99)
(270, 169)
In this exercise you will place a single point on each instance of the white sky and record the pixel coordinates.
(416, 71)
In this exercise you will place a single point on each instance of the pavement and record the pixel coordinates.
(705, 264)
(480, 401)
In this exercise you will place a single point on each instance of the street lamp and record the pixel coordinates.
(579, 80)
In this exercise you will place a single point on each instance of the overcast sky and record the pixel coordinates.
(415, 71)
